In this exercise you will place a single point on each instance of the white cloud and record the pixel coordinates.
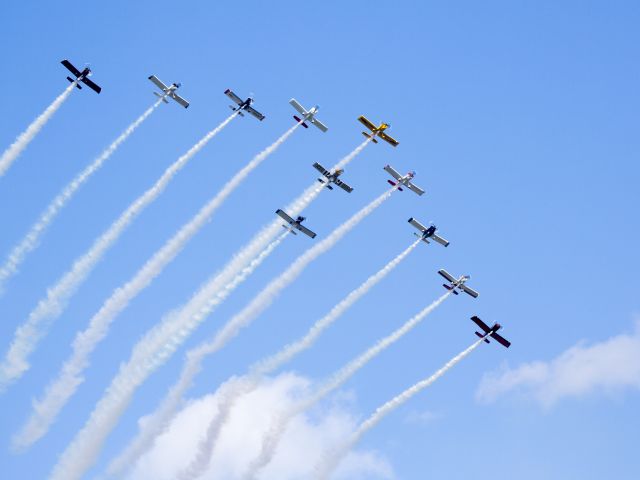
(607, 367)
(307, 438)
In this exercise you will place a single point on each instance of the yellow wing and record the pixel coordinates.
(366, 123)
(388, 139)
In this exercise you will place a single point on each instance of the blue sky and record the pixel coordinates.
(520, 119)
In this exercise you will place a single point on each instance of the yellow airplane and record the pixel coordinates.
(377, 131)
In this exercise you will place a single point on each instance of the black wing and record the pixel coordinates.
(91, 85)
(501, 340)
(481, 324)
(71, 68)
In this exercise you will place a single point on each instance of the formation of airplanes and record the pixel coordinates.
(426, 234)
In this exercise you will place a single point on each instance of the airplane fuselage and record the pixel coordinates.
(429, 232)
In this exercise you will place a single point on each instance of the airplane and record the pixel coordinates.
(459, 284)
(403, 180)
(377, 131)
(294, 225)
(81, 76)
(243, 105)
(168, 91)
(307, 115)
(427, 232)
(490, 332)
(330, 178)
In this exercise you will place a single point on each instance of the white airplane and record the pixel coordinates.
(309, 115)
(403, 180)
(427, 233)
(457, 284)
(328, 178)
(168, 91)
(295, 224)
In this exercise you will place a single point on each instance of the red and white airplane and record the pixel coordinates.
(404, 180)
(457, 284)
(490, 332)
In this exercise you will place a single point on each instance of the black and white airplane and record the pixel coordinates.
(81, 76)
(457, 284)
(403, 180)
(243, 105)
(168, 91)
(307, 115)
(293, 225)
(329, 178)
(490, 332)
(427, 233)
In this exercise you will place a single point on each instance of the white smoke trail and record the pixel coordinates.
(194, 312)
(29, 334)
(270, 441)
(83, 450)
(275, 361)
(232, 391)
(331, 461)
(64, 386)
(23, 140)
(258, 305)
(32, 238)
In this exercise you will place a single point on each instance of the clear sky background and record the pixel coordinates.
(521, 120)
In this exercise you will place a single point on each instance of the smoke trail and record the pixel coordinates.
(270, 442)
(232, 391)
(31, 240)
(194, 312)
(261, 302)
(16, 148)
(85, 447)
(29, 334)
(70, 377)
(274, 362)
(331, 461)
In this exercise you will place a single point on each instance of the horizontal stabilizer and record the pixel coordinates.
(482, 336)
(373, 139)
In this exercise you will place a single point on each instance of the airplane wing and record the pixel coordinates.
(440, 240)
(388, 139)
(294, 103)
(343, 186)
(91, 85)
(179, 99)
(285, 216)
(417, 224)
(233, 96)
(366, 123)
(414, 188)
(446, 275)
(485, 328)
(71, 68)
(501, 340)
(305, 230)
(393, 172)
(469, 291)
(158, 83)
(321, 169)
(255, 113)
(319, 124)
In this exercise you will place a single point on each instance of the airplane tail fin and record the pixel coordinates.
(420, 237)
(235, 109)
(373, 139)
(164, 98)
(297, 119)
(329, 187)
(481, 336)
(394, 184)
(71, 80)
(450, 288)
